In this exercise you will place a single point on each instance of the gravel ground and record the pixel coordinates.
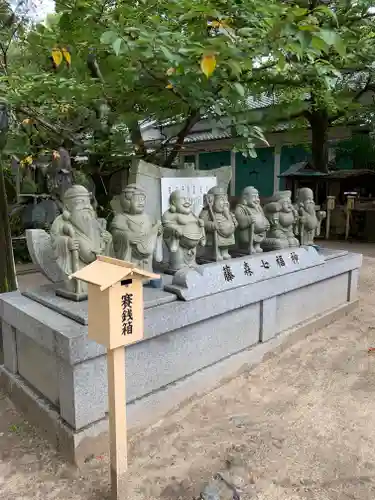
(302, 423)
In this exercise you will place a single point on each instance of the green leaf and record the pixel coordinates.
(281, 61)
(333, 39)
(304, 39)
(240, 89)
(319, 44)
(167, 53)
(329, 12)
(245, 31)
(116, 45)
(340, 46)
(328, 36)
(235, 67)
(108, 37)
(299, 12)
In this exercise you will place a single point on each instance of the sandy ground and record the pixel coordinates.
(302, 423)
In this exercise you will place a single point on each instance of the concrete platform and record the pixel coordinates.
(58, 377)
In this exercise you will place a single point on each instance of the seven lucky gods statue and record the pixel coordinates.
(77, 237)
(136, 238)
(220, 224)
(309, 221)
(283, 218)
(252, 223)
(183, 232)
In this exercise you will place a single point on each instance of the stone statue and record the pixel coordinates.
(309, 222)
(183, 232)
(77, 237)
(59, 174)
(220, 224)
(135, 237)
(282, 217)
(252, 223)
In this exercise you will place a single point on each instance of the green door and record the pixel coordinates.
(216, 159)
(257, 172)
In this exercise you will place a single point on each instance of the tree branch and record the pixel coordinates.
(192, 119)
(52, 128)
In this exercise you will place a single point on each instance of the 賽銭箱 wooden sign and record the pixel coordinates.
(115, 310)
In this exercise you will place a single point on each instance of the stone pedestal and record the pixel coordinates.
(58, 377)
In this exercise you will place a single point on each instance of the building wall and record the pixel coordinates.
(257, 172)
(291, 155)
(215, 159)
(262, 171)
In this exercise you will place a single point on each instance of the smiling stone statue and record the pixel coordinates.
(183, 232)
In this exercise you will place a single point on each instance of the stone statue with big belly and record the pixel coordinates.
(183, 232)
(252, 223)
(283, 218)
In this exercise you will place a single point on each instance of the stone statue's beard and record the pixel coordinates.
(310, 208)
(82, 219)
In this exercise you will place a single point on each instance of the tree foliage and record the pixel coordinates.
(335, 86)
(167, 61)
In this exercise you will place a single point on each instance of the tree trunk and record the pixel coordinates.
(319, 130)
(8, 282)
(191, 120)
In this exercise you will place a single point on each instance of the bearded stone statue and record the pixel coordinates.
(220, 224)
(77, 237)
(309, 220)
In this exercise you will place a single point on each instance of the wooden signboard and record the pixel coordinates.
(331, 202)
(115, 307)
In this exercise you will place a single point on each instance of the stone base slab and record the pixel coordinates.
(77, 446)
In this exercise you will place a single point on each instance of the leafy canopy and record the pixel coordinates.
(176, 60)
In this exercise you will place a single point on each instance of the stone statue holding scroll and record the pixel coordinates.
(220, 224)
(183, 232)
(309, 221)
(252, 223)
(77, 237)
(282, 217)
(136, 238)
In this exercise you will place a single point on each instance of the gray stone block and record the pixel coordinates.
(299, 305)
(83, 395)
(177, 354)
(77, 311)
(9, 347)
(216, 277)
(353, 284)
(269, 327)
(38, 366)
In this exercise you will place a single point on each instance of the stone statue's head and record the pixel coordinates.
(305, 199)
(180, 203)
(78, 208)
(283, 200)
(250, 197)
(133, 199)
(218, 198)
